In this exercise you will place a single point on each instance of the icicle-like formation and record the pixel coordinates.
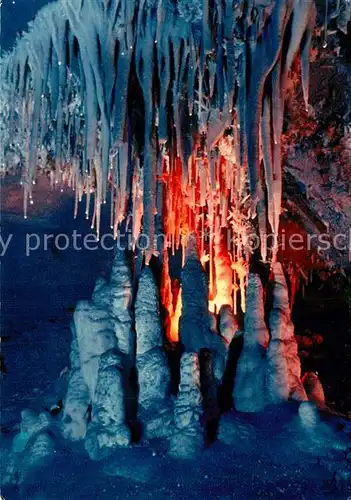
(223, 269)
(72, 82)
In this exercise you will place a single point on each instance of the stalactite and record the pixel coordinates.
(223, 269)
(267, 159)
(175, 317)
(88, 60)
(145, 67)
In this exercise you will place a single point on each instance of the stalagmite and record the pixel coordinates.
(95, 336)
(147, 314)
(228, 330)
(278, 387)
(154, 379)
(32, 448)
(77, 400)
(211, 375)
(228, 324)
(187, 440)
(194, 323)
(101, 359)
(314, 389)
(250, 382)
(269, 369)
(107, 429)
(277, 372)
(309, 416)
(284, 367)
(121, 293)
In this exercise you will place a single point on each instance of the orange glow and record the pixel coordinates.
(175, 316)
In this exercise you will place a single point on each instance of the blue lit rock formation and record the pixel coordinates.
(77, 398)
(187, 440)
(155, 408)
(250, 382)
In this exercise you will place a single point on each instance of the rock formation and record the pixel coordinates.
(154, 378)
(269, 369)
(187, 438)
(196, 324)
(107, 429)
(121, 297)
(32, 447)
(284, 367)
(102, 355)
(122, 318)
(228, 324)
(95, 336)
(77, 400)
(250, 382)
(314, 389)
